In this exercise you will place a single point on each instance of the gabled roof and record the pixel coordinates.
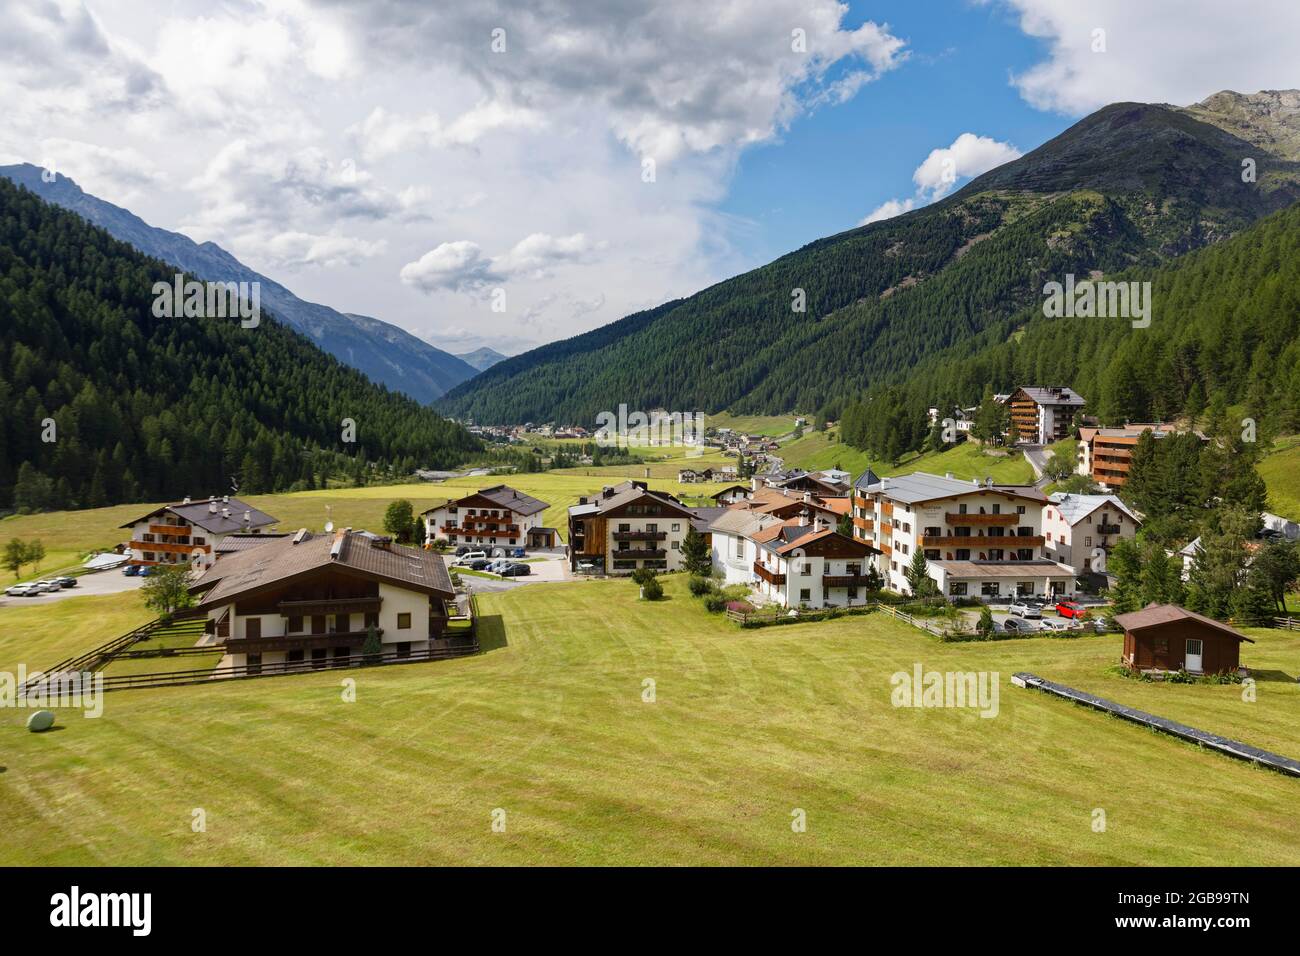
(1153, 615)
(729, 488)
(1074, 508)
(282, 559)
(201, 514)
(243, 542)
(615, 496)
(503, 496)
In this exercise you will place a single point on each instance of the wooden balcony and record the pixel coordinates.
(844, 580)
(168, 547)
(181, 529)
(637, 553)
(1108, 529)
(886, 509)
(478, 529)
(358, 605)
(960, 520)
(771, 577)
(640, 535)
(300, 642)
(864, 524)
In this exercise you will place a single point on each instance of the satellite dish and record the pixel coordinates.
(329, 526)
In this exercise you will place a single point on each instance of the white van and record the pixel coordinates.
(470, 556)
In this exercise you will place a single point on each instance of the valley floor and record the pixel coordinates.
(551, 726)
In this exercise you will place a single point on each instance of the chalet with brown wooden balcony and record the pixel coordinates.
(189, 533)
(1081, 530)
(1043, 414)
(625, 527)
(317, 598)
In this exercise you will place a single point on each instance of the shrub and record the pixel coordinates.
(652, 590)
(642, 575)
(715, 603)
(701, 586)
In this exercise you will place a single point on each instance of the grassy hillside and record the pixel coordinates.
(1281, 473)
(819, 450)
(746, 726)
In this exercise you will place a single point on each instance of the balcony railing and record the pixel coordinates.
(958, 520)
(640, 535)
(1108, 529)
(342, 605)
(168, 547)
(771, 577)
(630, 553)
(298, 642)
(844, 580)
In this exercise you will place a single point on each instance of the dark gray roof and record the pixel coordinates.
(503, 496)
(232, 543)
(1053, 395)
(868, 477)
(304, 552)
(227, 518)
(704, 517)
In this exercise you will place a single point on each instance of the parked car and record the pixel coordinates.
(497, 565)
(22, 590)
(1070, 609)
(476, 564)
(469, 556)
(516, 552)
(516, 570)
(67, 582)
(1026, 610)
(1057, 624)
(50, 585)
(586, 567)
(131, 570)
(148, 570)
(1017, 626)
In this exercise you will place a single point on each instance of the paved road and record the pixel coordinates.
(1037, 456)
(112, 581)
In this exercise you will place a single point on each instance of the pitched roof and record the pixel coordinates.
(616, 496)
(868, 477)
(703, 517)
(1052, 395)
(1154, 615)
(1003, 569)
(243, 542)
(503, 496)
(920, 486)
(284, 558)
(1074, 508)
(201, 514)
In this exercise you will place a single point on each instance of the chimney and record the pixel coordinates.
(803, 518)
(988, 481)
(212, 506)
(753, 483)
(807, 497)
(226, 499)
(248, 519)
(186, 501)
(225, 512)
(302, 534)
(819, 524)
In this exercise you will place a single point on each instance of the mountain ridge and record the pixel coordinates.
(387, 354)
(1129, 185)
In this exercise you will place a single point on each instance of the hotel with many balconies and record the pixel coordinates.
(980, 540)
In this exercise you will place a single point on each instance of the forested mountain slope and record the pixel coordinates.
(387, 354)
(1132, 185)
(152, 408)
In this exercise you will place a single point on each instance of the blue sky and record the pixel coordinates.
(837, 163)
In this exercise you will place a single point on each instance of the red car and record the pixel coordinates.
(1070, 609)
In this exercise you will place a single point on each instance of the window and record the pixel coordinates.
(957, 588)
(295, 623)
(961, 509)
(651, 526)
(1025, 587)
(997, 509)
(318, 656)
(254, 663)
(200, 540)
(1087, 541)
(853, 594)
(990, 588)
(996, 554)
(293, 657)
(932, 554)
(341, 655)
(1025, 554)
(907, 527)
(372, 619)
(1020, 509)
(404, 621)
(677, 546)
(805, 594)
(253, 628)
(318, 623)
(624, 526)
(677, 526)
(805, 569)
(963, 554)
(403, 648)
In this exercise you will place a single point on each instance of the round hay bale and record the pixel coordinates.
(41, 720)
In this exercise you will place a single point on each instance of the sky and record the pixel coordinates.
(509, 174)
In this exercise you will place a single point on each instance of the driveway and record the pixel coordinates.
(112, 581)
(549, 566)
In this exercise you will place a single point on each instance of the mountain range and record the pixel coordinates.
(385, 353)
(1132, 187)
(482, 359)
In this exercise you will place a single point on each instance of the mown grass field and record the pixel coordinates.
(818, 450)
(551, 726)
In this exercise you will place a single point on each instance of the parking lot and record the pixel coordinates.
(1032, 625)
(112, 581)
(543, 567)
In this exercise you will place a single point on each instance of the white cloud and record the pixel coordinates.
(1157, 51)
(967, 157)
(462, 267)
(888, 210)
